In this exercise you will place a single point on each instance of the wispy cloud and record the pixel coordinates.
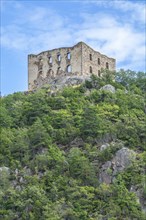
(118, 32)
(135, 9)
(35, 31)
(111, 37)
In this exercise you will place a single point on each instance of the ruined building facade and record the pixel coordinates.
(79, 60)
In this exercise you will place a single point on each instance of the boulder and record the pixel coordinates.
(104, 147)
(140, 196)
(122, 159)
(120, 162)
(105, 174)
(73, 81)
(108, 88)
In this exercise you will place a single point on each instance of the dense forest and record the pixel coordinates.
(55, 146)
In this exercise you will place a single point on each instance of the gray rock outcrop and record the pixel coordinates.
(106, 173)
(140, 198)
(120, 161)
(104, 146)
(60, 82)
(108, 88)
(77, 142)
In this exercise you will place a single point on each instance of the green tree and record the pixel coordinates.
(90, 122)
(38, 137)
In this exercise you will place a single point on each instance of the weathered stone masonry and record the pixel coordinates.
(79, 60)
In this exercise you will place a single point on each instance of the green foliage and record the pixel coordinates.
(90, 123)
(51, 145)
(5, 118)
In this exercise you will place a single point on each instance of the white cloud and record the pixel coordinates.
(135, 9)
(113, 38)
(46, 29)
(35, 31)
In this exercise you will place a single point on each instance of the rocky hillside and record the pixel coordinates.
(75, 150)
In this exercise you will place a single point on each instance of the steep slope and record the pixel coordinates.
(77, 153)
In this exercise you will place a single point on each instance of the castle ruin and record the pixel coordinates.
(79, 60)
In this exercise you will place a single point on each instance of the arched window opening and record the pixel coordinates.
(68, 56)
(59, 57)
(49, 73)
(50, 59)
(58, 70)
(98, 61)
(107, 65)
(90, 56)
(69, 68)
(90, 69)
(40, 74)
(99, 73)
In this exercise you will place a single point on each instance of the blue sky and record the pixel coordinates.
(115, 28)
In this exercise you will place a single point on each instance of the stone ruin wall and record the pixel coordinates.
(83, 60)
(93, 62)
(40, 70)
